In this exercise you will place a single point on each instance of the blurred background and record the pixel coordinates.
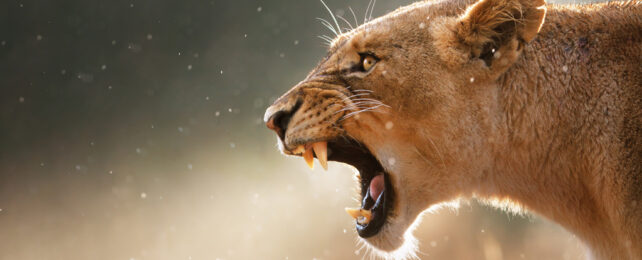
(133, 130)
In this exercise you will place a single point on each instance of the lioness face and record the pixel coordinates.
(396, 98)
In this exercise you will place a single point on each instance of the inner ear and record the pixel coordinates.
(503, 33)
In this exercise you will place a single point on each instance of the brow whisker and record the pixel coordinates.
(332, 15)
(328, 25)
(372, 9)
(356, 22)
(365, 18)
(346, 21)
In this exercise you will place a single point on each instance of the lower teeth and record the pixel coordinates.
(363, 216)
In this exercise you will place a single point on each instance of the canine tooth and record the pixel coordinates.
(366, 216)
(321, 150)
(354, 212)
(363, 216)
(308, 156)
(299, 150)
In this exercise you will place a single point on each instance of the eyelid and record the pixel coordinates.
(363, 55)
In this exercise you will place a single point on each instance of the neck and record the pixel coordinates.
(550, 133)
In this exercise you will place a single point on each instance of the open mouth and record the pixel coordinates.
(376, 190)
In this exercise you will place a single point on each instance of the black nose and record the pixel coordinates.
(280, 119)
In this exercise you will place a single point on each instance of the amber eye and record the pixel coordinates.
(368, 62)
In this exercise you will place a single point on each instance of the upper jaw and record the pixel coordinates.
(376, 205)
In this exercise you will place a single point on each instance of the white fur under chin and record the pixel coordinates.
(386, 238)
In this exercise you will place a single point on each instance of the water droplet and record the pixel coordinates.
(103, 67)
(389, 125)
(149, 36)
(113, 42)
(433, 243)
(392, 161)
(259, 9)
(472, 80)
(21, 99)
(296, 42)
(564, 68)
(422, 25)
(143, 195)
(39, 37)
(217, 113)
(232, 145)
(189, 166)
(189, 67)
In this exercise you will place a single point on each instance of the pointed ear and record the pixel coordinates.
(490, 25)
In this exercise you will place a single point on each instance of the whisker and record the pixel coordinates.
(355, 95)
(326, 38)
(369, 101)
(353, 108)
(326, 41)
(356, 22)
(346, 21)
(365, 99)
(332, 15)
(365, 18)
(328, 25)
(372, 9)
(358, 112)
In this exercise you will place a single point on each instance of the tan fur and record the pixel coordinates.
(501, 99)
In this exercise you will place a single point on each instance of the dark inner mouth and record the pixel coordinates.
(376, 190)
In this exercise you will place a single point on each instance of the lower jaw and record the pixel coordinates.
(379, 208)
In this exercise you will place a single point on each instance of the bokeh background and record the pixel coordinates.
(132, 130)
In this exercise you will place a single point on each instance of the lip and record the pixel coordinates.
(379, 209)
(352, 152)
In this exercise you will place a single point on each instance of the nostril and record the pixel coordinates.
(282, 119)
(279, 121)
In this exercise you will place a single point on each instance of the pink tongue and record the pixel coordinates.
(376, 186)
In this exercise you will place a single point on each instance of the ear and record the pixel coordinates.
(499, 25)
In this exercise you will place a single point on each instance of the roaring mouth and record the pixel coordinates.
(377, 195)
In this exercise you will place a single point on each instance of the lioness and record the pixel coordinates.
(513, 100)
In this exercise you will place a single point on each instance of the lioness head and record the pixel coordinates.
(402, 98)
